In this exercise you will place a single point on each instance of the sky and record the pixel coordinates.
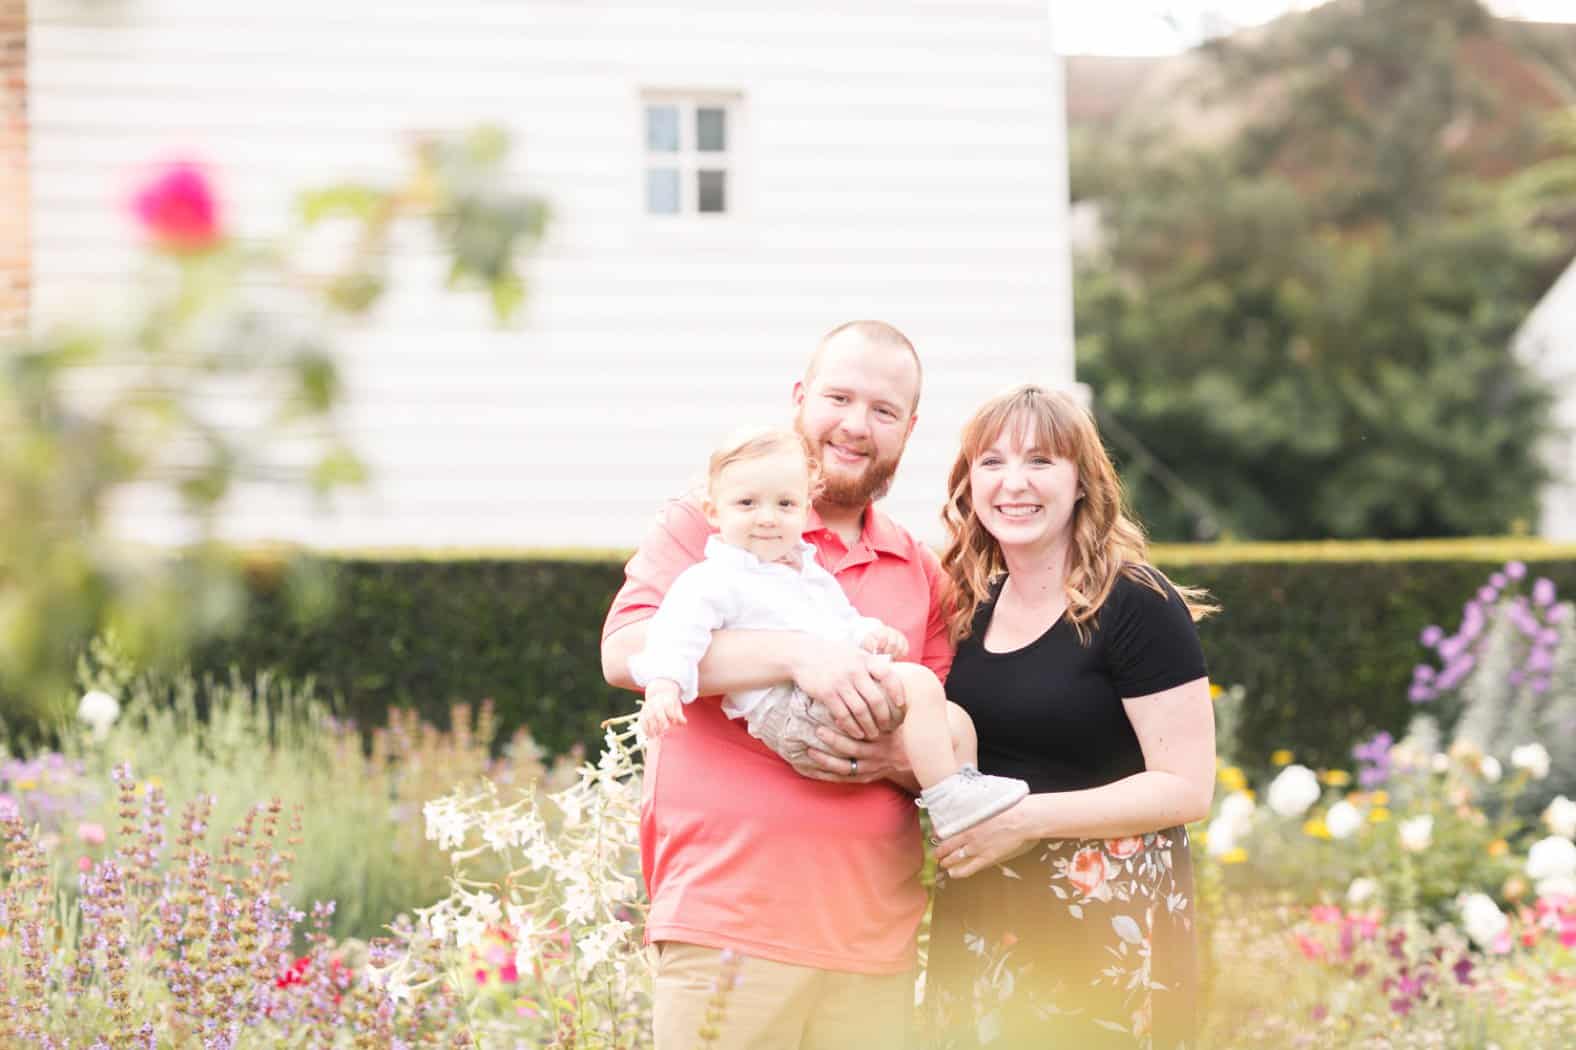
(1157, 27)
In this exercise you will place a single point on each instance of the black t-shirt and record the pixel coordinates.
(1051, 712)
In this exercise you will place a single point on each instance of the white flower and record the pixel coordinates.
(1293, 791)
(1237, 808)
(446, 823)
(1482, 919)
(1551, 863)
(1440, 762)
(1361, 890)
(1534, 758)
(1220, 837)
(99, 710)
(1416, 834)
(1342, 820)
(1561, 817)
(1562, 887)
(1491, 769)
(1230, 824)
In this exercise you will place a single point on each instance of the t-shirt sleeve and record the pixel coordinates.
(1151, 643)
(675, 541)
(938, 651)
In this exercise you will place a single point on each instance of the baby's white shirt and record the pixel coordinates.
(732, 588)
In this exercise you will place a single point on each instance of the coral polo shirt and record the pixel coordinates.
(741, 852)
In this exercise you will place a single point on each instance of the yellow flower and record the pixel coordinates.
(1498, 848)
(1336, 777)
(1234, 856)
(1233, 779)
(1282, 757)
(1215, 691)
(1315, 828)
(1380, 798)
(26, 784)
(1378, 815)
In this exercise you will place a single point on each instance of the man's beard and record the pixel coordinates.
(868, 486)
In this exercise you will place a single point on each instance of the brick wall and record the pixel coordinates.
(15, 271)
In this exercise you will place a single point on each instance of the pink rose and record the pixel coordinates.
(1123, 848)
(178, 209)
(1089, 871)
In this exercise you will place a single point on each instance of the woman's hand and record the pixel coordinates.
(998, 839)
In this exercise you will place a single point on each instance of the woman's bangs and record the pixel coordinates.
(1028, 416)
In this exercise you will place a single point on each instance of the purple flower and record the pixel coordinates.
(1419, 693)
(1515, 570)
(1549, 637)
(1422, 673)
(1431, 635)
(1558, 614)
(1497, 581)
(1487, 595)
(1463, 970)
(1543, 591)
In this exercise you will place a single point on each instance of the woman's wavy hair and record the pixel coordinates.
(1106, 541)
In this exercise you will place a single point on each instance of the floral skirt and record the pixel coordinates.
(1082, 944)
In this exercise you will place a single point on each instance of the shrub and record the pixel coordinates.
(1322, 636)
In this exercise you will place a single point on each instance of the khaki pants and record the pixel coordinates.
(773, 1005)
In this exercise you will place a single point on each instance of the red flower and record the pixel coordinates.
(178, 209)
(1089, 871)
(295, 973)
(1123, 848)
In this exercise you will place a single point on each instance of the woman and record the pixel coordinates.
(1067, 921)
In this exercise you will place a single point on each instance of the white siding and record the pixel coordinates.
(1547, 342)
(899, 159)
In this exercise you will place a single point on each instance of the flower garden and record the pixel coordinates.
(261, 874)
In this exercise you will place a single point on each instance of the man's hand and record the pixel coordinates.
(888, 641)
(879, 759)
(858, 689)
(663, 709)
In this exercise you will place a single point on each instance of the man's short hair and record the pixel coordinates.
(876, 333)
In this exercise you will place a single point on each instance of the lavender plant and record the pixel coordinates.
(1507, 677)
(189, 949)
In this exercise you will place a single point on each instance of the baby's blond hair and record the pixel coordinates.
(758, 442)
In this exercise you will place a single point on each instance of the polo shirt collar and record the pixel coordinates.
(879, 532)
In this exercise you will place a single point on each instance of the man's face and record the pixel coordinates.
(857, 409)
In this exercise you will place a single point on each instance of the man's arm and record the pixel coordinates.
(835, 673)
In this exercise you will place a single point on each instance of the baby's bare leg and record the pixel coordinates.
(928, 732)
(965, 742)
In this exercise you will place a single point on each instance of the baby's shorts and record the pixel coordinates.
(786, 722)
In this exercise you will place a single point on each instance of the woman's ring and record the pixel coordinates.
(963, 853)
(853, 767)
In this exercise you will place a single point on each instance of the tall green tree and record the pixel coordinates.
(1305, 332)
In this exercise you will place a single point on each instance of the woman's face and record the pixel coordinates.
(1022, 494)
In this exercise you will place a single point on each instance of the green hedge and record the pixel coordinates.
(1324, 643)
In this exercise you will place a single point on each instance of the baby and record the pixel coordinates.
(760, 574)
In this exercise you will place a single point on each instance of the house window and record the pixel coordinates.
(689, 154)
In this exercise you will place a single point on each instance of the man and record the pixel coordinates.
(805, 883)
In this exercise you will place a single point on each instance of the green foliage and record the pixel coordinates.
(1312, 323)
(357, 804)
(220, 377)
(1324, 648)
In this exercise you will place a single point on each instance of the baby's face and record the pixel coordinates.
(762, 504)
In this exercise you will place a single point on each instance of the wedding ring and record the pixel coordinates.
(853, 767)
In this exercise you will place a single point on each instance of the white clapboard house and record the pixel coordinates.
(1547, 343)
(728, 179)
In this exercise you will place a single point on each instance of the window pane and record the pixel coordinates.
(713, 186)
(662, 129)
(662, 191)
(711, 129)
